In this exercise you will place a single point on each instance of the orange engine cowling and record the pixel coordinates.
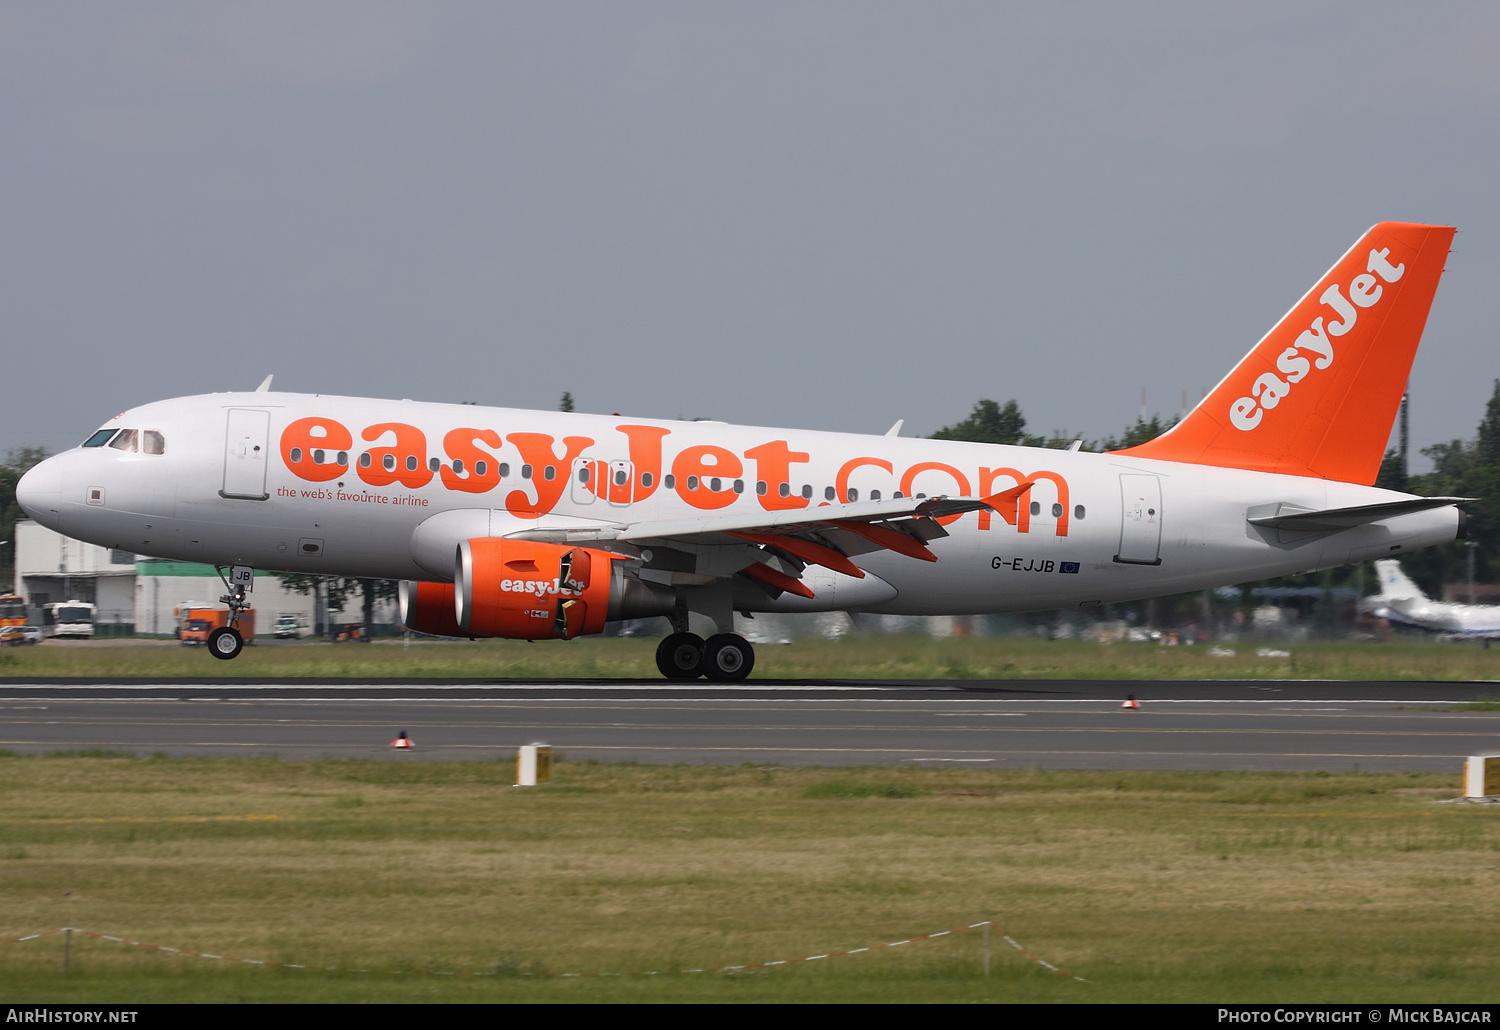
(428, 608)
(530, 591)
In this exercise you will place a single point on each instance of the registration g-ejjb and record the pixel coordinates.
(1034, 565)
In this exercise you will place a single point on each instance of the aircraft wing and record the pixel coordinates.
(773, 547)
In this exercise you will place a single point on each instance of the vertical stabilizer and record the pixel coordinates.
(1395, 585)
(1317, 396)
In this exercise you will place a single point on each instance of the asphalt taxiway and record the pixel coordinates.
(1231, 725)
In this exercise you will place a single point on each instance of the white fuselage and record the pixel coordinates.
(1445, 617)
(210, 496)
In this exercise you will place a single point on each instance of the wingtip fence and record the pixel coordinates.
(986, 925)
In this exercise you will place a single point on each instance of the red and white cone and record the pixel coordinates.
(1130, 702)
(402, 740)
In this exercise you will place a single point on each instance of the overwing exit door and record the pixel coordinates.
(621, 482)
(246, 440)
(1140, 525)
(585, 472)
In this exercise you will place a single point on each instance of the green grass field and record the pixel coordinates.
(855, 657)
(1153, 886)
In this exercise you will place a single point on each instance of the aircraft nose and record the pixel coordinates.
(39, 493)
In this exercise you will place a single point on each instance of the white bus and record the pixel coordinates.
(70, 618)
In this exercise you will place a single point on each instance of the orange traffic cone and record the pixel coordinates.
(402, 740)
(1129, 702)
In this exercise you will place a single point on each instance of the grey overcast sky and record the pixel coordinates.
(828, 215)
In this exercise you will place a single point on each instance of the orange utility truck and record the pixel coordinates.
(198, 623)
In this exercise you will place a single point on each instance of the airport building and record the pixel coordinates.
(133, 594)
(51, 567)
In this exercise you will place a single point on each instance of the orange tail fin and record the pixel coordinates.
(1318, 394)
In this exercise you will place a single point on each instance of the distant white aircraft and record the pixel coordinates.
(1402, 601)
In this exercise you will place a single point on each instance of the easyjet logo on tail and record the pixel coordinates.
(1314, 349)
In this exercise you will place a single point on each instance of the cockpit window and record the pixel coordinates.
(128, 440)
(100, 438)
(153, 442)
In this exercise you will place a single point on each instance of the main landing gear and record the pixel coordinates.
(726, 657)
(226, 642)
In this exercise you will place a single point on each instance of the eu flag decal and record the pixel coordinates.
(1067, 566)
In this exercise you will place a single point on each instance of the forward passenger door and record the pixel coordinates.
(247, 438)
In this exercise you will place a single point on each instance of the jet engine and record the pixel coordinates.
(528, 590)
(428, 608)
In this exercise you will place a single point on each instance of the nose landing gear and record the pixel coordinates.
(226, 642)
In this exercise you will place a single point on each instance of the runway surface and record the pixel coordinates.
(1273, 725)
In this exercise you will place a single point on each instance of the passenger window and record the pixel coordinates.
(897, 495)
(549, 473)
(128, 440)
(785, 489)
(525, 471)
(853, 494)
(760, 488)
(411, 463)
(364, 460)
(458, 466)
(389, 462)
(716, 484)
(622, 477)
(1078, 511)
(807, 491)
(739, 486)
(153, 442)
(1036, 507)
(434, 464)
(828, 493)
(343, 458)
(296, 455)
(504, 469)
(1057, 511)
(583, 474)
(318, 457)
(480, 468)
(646, 480)
(692, 482)
(669, 481)
(100, 438)
(874, 495)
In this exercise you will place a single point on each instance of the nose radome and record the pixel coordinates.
(39, 494)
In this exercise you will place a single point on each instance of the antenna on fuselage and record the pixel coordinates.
(265, 384)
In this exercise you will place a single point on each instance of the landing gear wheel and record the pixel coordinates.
(680, 656)
(225, 642)
(727, 657)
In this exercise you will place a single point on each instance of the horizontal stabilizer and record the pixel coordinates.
(1289, 517)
